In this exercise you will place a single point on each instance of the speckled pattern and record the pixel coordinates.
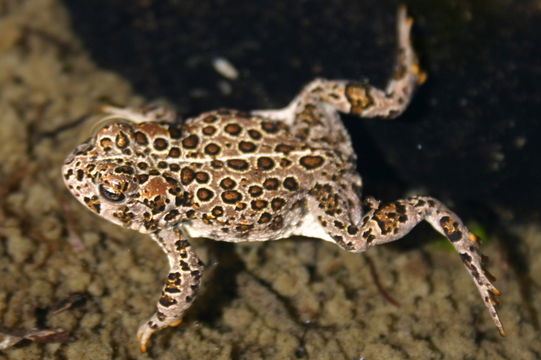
(255, 176)
(298, 298)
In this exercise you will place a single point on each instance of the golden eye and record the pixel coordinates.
(111, 194)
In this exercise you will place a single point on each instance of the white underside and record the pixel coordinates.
(308, 227)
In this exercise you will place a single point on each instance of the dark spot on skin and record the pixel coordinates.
(204, 194)
(311, 162)
(202, 177)
(141, 179)
(455, 236)
(285, 162)
(254, 134)
(465, 257)
(244, 227)
(94, 204)
(359, 97)
(187, 175)
(209, 130)
(106, 144)
(174, 152)
(227, 183)
(212, 149)
(142, 165)
(162, 165)
(284, 148)
(338, 224)
(233, 129)
(265, 163)
(277, 203)
(271, 183)
(171, 215)
(352, 230)
(124, 169)
(122, 140)
(291, 184)
(160, 144)
(68, 174)
(174, 167)
(190, 142)
(238, 164)
(450, 228)
(166, 301)
(217, 164)
(231, 196)
(270, 127)
(258, 205)
(255, 190)
(80, 175)
(209, 119)
(264, 218)
(277, 223)
(217, 211)
(247, 147)
(240, 206)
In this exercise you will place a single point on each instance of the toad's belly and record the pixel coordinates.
(300, 224)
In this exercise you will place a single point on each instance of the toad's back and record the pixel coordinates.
(237, 174)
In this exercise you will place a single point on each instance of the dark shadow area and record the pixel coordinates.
(469, 134)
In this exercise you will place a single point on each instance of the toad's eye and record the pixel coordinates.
(111, 193)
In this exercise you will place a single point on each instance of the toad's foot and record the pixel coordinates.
(146, 331)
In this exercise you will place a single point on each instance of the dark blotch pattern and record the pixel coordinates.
(255, 190)
(227, 183)
(204, 194)
(212, 149)
(141, 138)
(247, 147)
(231, 196)
(291, 184)
(265, 163)
(187, 175)
(271, 184)
(160, 144)
(311, 162)
(190, 142)
(238, 164)
(233, 129)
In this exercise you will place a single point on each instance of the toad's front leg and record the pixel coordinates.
(180, 287)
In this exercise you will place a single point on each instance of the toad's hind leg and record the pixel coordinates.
(388, 222)
(360, 98)
(180, 287)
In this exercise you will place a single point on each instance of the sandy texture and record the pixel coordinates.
(294, 299)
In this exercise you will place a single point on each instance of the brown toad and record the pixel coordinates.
(255, 176)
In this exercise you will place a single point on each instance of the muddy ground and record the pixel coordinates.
(293, 299)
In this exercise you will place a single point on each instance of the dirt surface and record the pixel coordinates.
(293, 299)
